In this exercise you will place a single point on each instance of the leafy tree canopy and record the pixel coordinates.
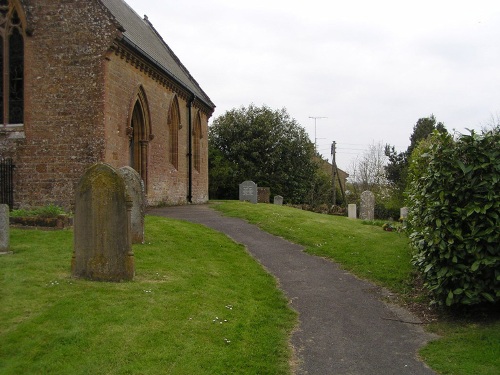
(263, 145)
(397, 168)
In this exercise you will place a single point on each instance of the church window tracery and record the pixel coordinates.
(11, 64)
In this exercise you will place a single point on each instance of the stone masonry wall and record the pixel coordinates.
(165, 184)
(64, 95)
(79, 97)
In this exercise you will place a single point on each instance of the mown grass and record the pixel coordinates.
(366, 250)
(469, 346)
(466, 348)
(199, 304)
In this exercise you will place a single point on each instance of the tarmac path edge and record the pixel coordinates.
(345, 327)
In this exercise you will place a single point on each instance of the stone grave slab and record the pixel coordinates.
(367, 208)
(135, 190)
(248, 191)
(351, 211)
(263, 194)
(278, 199)
(4, 229)
(102, 241)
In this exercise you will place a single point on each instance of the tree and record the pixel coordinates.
(422, 129)
(397, 168)
(367, 172)
(263, 145)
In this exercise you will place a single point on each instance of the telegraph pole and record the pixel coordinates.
(315, 139)
(334, 172)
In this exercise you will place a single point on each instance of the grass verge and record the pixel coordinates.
(366, 250)
(199, 304)
(469, 346)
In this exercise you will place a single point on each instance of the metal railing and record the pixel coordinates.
(7, 182)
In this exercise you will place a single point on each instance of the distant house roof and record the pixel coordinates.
(143, 38)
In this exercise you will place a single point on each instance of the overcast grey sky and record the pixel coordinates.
(373, 68)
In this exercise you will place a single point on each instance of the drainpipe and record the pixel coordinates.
(190, 150)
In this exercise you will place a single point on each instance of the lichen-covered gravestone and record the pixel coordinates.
(4, 228)
(135, 190)
(278, 199)
(263, 194)
(102, 241)
(248, 191)
(367, 209)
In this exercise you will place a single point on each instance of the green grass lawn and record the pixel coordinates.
(199, 304)
(468, 346)
(366, 250)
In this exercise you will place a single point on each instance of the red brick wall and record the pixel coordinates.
(165, 184)
(78, 102)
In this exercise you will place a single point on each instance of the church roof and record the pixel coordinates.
(142, 36)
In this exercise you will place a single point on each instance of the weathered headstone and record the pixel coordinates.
(135, 190)
(102, 243)
(403, 213)
(351, 211)
(278, 199)
(4, 228)
(367, 209)
(263, 194)
(248, 191)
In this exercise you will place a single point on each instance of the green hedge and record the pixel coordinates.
(454, 216)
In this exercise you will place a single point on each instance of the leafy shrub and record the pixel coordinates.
(454, 216)
(383, 212)
(48, 211)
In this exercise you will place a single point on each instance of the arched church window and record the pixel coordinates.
(173, 123)
(11, 65)
(140, 135)
(197, 136)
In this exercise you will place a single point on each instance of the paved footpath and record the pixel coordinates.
(344, 327)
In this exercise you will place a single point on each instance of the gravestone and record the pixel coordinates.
(4, 228)
(102, 243)
(135, 190)
(248, 191)
(367, 209)
(278, 199)
(351, 211)
(403, 213)
(263, 194)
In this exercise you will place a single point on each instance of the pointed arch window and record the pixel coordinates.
(139, 136)
(197, 136)
(173, 123)
(11, 64)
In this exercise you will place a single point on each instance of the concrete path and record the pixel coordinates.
(344, 328)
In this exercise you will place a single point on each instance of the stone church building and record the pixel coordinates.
(86, 81)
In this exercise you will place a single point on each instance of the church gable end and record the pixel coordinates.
(69, 98)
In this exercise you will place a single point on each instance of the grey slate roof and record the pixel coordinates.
(142, 36)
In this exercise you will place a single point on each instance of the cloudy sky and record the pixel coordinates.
(372, 68)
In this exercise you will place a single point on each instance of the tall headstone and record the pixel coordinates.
(4, 228)
(278, 199)
(403, 213)
(102, 241)
(367, 209)
(135, 190)
(263, 194)
(351, 211)
(248, 191)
